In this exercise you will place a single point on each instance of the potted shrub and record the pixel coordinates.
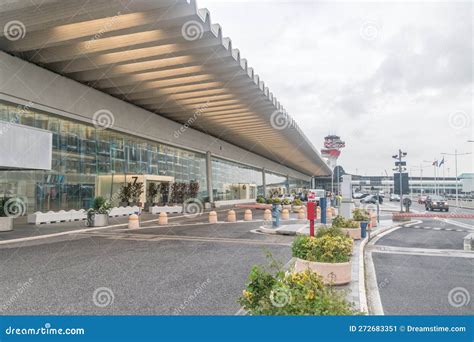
(297, 205)
(151, 195)
(136, 192)
(327, 255)
(98, 215)
(363, 217)
(164, 192)
(261, 200)
(286, 203)
(332, 231)
(272, 291)
(349, 227)
(125, 194)
(6, 219)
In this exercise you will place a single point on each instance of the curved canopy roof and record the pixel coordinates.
(165, 56)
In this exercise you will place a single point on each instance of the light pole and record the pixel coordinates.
(400, 165)
(456, 154)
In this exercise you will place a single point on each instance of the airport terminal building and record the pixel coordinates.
(94, 94)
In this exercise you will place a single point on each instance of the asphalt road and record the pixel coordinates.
(198, 269)
(423, 270)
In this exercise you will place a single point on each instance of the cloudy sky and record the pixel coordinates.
(382, 75)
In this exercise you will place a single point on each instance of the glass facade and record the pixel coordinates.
(275, 184)
(298, 185)
(89, 161)
(232, 181)
(81, 153)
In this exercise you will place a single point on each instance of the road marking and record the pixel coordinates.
(421, 251)
(437, 228)
(157, 237)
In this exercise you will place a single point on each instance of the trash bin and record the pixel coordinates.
(363, 229)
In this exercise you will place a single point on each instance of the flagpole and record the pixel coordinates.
(444, 180)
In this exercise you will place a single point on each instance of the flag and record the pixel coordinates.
(441, 162)
(435, 163)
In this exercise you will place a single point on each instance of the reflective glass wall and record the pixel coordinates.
(275, 184)
(233, 181)
(81, 152)
(297, 185)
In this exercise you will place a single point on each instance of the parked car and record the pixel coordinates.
(394, 198)
(436, 202)
(372, 199)
(422, 199)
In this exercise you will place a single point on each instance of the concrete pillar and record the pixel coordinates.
(209, 176)
(264, 183)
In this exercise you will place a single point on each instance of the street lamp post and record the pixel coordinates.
(456, 154)
(399, 158)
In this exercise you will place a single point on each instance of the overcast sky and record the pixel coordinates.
(382, 75)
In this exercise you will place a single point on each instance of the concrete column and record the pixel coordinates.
(264, 182)
(209, 176)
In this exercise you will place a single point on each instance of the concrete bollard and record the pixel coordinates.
(133, 222)
(231, 216)
(212, 217)
(285, 214)
(163, 219)
(301, 214)
(248, 215)
(267, 215)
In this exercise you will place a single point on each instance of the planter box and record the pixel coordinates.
(286, 206)
(352, 232)
(6, 224)
(100, 220)
(296, 208)
(166, 209)
(332, 273)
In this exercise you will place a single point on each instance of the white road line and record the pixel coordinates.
(436, 228)
(421, 251)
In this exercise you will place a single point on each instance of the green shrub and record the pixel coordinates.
(327, 248)
(360, 215)
(100, 205)
(331, 231)
(260, 199)
(341, 222)
(286, 201)
(275, 292)
(276, 200)
(297, 201)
